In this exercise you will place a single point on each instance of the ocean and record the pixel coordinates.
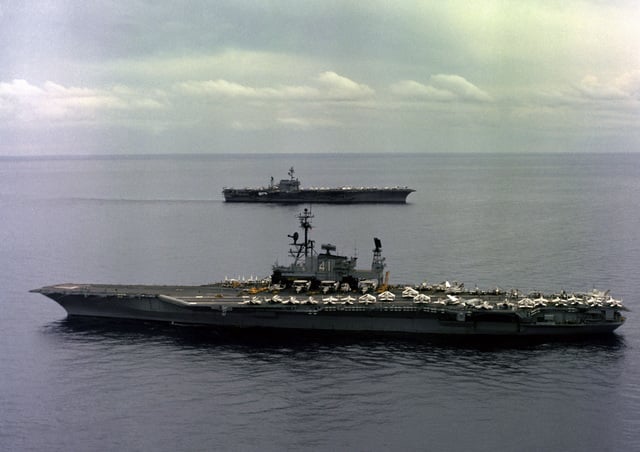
(529, 221)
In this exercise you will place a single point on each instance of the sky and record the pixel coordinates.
(154, 77)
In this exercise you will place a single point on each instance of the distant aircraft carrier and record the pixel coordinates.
(289, 191)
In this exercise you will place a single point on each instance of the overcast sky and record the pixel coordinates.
(136, 76)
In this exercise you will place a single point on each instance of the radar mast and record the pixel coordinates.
(306, 247)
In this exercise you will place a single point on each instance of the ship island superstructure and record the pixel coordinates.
(327, 269)
(289, 191)
(325, 292)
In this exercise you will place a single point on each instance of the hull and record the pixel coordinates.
(327, 196)
(219, 307)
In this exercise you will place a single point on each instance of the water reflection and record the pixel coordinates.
(408, 350)
(292, 389)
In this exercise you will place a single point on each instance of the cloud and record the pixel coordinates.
(307, 122)
(225, 88)
(284, 122)
(625, 86)
(339, 87)
(441, 88)
(326, 86)
(621, 93)
(23, 101)
(294, 122)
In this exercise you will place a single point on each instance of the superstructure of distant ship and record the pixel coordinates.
(325, 292)
(289, 191)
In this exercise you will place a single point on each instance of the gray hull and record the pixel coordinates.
(216, 308)
(326, 196)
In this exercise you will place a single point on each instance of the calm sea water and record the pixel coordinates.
(526, 221)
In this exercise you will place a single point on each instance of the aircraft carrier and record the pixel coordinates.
(321, 291)
(289, 191)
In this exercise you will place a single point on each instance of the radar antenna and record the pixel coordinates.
(378, 244)
(378, 265)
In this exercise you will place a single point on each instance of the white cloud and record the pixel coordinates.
(339, 87)
(460, 87)
(225, 88)
(307, 122)
(416, 90)
(613, 93)
(22, 101)
(327, 86)
(625, 86)
(441, 88)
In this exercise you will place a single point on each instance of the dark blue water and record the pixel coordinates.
(526, 221)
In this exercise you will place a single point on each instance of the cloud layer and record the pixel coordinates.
(336, 76)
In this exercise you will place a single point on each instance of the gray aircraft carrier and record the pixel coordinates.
(289, 191)
(323, 291)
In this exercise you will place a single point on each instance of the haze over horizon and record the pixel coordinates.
(107, 77)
